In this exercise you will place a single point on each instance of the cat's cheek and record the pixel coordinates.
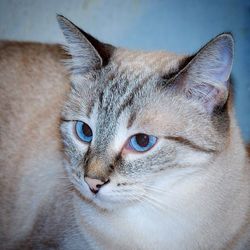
(67, 167)
(190, 158)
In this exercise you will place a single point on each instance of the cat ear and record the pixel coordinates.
(87, 52)
(206, 77)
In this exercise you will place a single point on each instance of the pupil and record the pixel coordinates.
(142, 140)
(86, 130)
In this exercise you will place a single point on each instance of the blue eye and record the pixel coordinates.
(83, 131)
(142, 142)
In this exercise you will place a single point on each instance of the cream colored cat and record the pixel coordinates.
(152, 151)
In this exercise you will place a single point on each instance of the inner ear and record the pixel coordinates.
(104, 50)
(205, 79)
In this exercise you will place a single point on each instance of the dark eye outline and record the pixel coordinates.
(134, 146)
(80, 133)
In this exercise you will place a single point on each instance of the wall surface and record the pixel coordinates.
(179, 26)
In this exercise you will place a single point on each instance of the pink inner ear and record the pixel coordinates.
(216, 97)
(208, 95)
(206, 78)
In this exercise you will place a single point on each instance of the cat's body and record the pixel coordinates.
(197, 205)
(31, 163)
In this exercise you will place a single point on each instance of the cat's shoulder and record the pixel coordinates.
(24, 59)
(30, 71)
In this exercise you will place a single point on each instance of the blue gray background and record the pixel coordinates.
(179, 26)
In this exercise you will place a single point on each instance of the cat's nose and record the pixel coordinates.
(95, 184)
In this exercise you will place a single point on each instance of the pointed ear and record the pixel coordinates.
(206, 77)
(87, 53)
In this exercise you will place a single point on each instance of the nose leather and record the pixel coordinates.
(94, 184)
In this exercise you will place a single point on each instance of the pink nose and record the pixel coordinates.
(94, 184)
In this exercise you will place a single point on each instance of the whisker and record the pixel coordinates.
(159, 191)
(154, 188)
(153, 202)
(157, 203)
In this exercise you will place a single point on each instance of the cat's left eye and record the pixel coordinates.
(83, 131)
(142, 142)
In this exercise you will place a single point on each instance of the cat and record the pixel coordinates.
(120, 149)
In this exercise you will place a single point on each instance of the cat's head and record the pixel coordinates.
(137, 122)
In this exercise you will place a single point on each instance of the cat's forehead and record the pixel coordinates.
(133, 72)
(160, 62)
(128, 80)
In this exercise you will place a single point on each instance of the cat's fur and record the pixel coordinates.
(191, 191)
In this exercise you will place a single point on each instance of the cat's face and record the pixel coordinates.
(136, 125)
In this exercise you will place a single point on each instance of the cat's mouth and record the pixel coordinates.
(120, 192)
(109, 196)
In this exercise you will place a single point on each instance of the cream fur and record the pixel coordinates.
(40, 209)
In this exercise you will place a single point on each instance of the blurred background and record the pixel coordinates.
(181, 26)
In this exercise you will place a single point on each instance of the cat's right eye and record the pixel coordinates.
(141, 142)
(83, 131)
